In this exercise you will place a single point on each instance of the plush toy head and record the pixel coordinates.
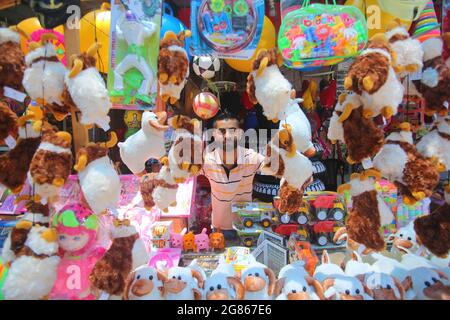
(94, 151)
(221, 286)
(189, 241)
(258, 279)
(83, 61)
(217, 240)
(428, 284)
(201, 240)
(144, 282)
(286, 140)
(383, 286)
(77, 228)
(296, 284)
(42, 240)
(30, 124)
(42, 50)
(176, 240)
(179, 279)
(404, 238)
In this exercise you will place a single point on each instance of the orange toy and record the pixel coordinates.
(188, 241)
(306, 254)
(217, 240)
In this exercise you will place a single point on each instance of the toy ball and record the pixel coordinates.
(206, 66)
(206, 105)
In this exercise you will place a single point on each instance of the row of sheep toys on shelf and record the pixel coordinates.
(374, 277)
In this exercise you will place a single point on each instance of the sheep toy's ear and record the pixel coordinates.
(198, 276)
(407, 283)
(317, 287)
(238, 287)
(400, 288)
(329, 291)
(112, 141)
(128, 283)
(368, 291)
(272, 279)
(279, 285)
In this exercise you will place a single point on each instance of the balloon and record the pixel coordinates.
(267, 41)
(377, 18)
(96, 23)
(206, 105)
(170, 23)
(32, 27)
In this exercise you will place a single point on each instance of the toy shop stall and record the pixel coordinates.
(225, 150)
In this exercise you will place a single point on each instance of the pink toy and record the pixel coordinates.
(202, 241)
(176, 240)
(77, 229)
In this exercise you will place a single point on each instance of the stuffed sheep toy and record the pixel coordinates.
(183, 283)
(258, 281)
(145, 283)
(224, 284)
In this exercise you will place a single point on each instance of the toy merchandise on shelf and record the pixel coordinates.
(251, 213)
(133, 62)
(161, 235)
(226, 29)
(144, 283)
(321, 35)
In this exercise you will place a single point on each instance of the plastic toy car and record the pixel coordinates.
(288, 229)
(329, 207)
(250, 213)
(301, 217)
(248, 236)
(324, 231)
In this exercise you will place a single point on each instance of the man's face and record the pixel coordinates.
(227, 134)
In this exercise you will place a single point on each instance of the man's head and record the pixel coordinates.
(227, 131)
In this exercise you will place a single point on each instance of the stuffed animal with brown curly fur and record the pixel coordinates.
(348, 125)
(52, 163)
(291, 200)
(373, 78)
(126, 253)
(185, 155)
(368, 213)
(433, 230)
(267, 86)
(400, 162)
(8, 122)
(12, 60)
(14, 244)
(44, 77)
(15, 164)
(173, 65)
(435, 83)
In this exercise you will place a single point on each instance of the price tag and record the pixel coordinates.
(367, 163)
(10, 142)
(14, 94)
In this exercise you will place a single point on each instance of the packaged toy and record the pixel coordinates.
(321, 35)
(226, 28)
(135, 28)
(161, 235)
(77, 229)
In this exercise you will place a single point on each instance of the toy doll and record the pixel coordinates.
(77, 229)
(134, 32)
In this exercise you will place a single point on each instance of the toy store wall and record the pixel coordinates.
(118, 120)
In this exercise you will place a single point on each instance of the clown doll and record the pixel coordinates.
(77, 229)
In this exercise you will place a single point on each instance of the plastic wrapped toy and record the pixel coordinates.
(321, 35)
(77, 229)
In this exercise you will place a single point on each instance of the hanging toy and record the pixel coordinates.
(146, 186)
(373, 78)
(206, 105)
(433, 230)
(85, 90)
(77, 229)
(206, 66)
(408, 51)
(134, 33)
(300, 125)
(185, 156)
(32, 275)
(369, 212)
(51, 164)
(8, 125)
(44, 77)
(14, 245)
(435, 145)
(126, 253)
(400, 162)
(165, 192)
(267, 86)
(283, 160)
(434, 86)
(310, 96)
(173, 65)
(12, 61)
(348, 125)
(99, 180)
(15, 164)
(147, 143)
